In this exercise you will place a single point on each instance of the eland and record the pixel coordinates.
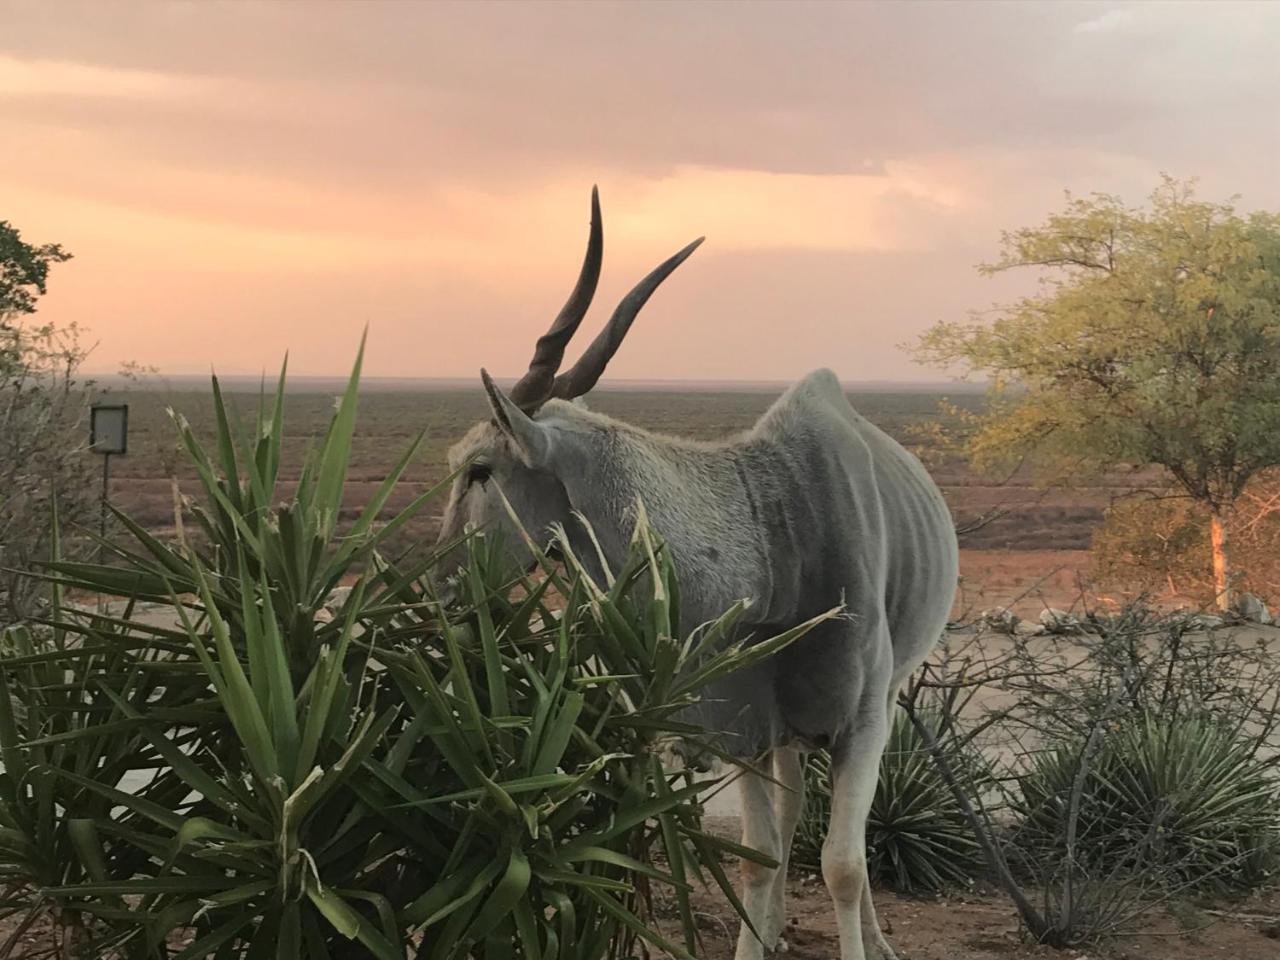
(812, 508)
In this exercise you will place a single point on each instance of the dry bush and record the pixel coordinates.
(1131, 764)
(43, 471)
(1161, 542)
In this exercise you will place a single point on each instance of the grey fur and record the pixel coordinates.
(812, 507)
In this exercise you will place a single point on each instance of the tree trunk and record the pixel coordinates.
(1221, 560)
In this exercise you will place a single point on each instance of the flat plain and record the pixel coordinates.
(1033, 553)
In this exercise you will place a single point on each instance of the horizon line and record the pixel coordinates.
(156, 381)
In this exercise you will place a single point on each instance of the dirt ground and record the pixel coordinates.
(965, 927)
(984, 927)
(1026, 581)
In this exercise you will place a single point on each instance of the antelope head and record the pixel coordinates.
(518, 454)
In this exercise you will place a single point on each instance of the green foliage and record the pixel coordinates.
(24, 270)
(398, 777)
(1185, 798)
(52, 722)
(918, 840)
(1154, 339)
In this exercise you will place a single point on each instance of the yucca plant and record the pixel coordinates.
(1188, 798)
(404, 778)
(918, 840)
(54, 719)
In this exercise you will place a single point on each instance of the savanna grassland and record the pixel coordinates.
(1038, 541)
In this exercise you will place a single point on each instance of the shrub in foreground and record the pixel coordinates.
(260, 778)
(917, 837)
(1187, 798)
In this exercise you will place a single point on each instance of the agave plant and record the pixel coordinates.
(1188, 797)
(917, 837)
(401, 777)
(56, 721)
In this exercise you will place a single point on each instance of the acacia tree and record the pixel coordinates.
(1153, 340)
(42, 405)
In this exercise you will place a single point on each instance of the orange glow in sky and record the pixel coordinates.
(238, 180)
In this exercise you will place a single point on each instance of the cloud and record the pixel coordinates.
(28, 77)
(1111, 21)
(240, 179)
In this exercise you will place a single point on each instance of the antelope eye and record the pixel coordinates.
(479, 473)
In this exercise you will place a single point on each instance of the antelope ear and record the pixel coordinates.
(529, 436)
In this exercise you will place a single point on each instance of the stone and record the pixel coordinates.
(999, 620)
(337, 598)
(1060, 621)
(1207, 621)
(1251, 608)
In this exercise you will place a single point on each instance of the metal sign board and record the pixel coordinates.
(109, 428)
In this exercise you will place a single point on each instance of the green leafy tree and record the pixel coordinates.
(1153, 340)
(24, 270)
(42, 405)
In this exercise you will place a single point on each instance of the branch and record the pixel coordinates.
(984, 520)
(996, 861)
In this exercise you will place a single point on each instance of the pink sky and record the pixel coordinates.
(238, 180)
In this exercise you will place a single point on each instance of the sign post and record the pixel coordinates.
(108, 435)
